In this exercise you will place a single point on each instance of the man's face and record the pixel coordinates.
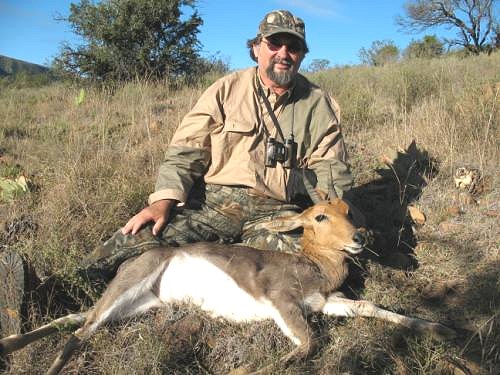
(279, 57)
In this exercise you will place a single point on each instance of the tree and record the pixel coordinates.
(430, 46)
(495, 40)
(125, 39)
(473, 20)
(317, 65)
(380, 53)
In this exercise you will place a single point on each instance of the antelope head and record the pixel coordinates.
(326, 225)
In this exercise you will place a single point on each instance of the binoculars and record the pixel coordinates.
(284, 153)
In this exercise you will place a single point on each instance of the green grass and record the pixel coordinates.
(92, 165)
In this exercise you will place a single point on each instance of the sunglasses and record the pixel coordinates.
(275, 44)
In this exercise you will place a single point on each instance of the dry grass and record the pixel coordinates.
(92, 165)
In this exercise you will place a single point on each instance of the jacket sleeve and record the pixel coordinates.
(329, 159)
(188, 155)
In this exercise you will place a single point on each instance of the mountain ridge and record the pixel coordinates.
(11, 66)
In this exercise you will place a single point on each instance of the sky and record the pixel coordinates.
(335, 29)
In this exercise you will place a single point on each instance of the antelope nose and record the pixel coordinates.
(359, 238)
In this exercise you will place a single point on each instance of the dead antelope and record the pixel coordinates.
(240, 283)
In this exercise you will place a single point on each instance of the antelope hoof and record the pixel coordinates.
(442, 332)
(299, 353)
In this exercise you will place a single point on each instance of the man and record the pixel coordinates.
(236, 158)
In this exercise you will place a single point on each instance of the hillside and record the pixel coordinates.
(10, 66)
(90, 157)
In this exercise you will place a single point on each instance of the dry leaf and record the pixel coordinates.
(454, 210)
(80, 98)
(155, 126)
(386, 159)
(11, 313)
(9, 188)
(447, 227)
(417, 216)
(492, 213)
(239, 371)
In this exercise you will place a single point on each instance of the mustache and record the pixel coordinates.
(285, 61)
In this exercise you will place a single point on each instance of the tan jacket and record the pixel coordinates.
(223, 139)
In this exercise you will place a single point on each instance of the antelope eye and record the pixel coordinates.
(320, 218)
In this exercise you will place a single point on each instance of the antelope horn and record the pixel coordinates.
(313, 194)
(332, 193)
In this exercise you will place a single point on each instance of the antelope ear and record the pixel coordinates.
(283, 224)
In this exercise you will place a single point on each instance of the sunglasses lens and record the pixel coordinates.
(275, 44)
(295, 47)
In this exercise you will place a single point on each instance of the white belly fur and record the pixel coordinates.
(195, 280)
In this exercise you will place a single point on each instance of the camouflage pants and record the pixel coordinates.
(213, 213)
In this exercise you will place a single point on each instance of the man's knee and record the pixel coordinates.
(105, 259)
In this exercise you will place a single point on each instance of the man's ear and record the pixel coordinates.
(256, 49)
(302, 57)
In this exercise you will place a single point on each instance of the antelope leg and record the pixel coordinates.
(72, 344)
(15, 342)
(338, 306)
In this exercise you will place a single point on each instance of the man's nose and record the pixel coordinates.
(283, 51)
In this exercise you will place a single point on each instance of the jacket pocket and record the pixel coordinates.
(240, 126)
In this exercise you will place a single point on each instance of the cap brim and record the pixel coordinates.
(280, 30)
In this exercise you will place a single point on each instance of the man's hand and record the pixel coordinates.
(157, 212)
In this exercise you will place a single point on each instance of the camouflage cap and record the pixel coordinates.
(282, 21)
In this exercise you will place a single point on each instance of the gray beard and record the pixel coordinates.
(280, 78)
